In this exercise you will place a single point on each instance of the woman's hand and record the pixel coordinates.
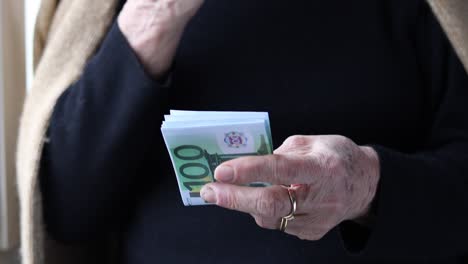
(154, 28)
(333, 180)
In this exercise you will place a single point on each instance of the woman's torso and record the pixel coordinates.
(318, 67)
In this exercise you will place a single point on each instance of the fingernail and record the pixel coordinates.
(224, 173)
(208, 194)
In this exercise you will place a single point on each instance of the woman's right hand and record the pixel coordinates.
(153, 29)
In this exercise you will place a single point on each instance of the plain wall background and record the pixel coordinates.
(18, 18)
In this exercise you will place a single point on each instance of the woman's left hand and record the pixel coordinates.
(332, 178)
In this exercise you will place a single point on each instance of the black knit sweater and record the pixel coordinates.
(379, 72)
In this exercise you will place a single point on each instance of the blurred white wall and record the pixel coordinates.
(12, 89)
(17, 19)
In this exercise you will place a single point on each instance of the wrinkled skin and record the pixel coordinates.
(333, 180)
(153, 29)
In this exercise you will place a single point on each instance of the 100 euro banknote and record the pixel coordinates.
(200, 141)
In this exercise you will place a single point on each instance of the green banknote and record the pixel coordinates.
(199, 141)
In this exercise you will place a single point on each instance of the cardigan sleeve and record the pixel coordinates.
(421, 208)
(101, 133)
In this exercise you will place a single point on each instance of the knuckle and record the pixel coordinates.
(265, 205)
(277, 166)
(228, 200)
(283, 169)
(333, 163)
(304, 236)
(311, 235)
(340, 138)
(296, 141)
(269, 204)
(261, 222)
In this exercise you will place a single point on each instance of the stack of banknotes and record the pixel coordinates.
(199, 141)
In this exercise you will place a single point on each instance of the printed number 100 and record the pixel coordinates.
(194, 171)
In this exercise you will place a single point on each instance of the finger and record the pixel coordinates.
(317, 222)
(267, 223)
(308, 227)
(274, 169)
(268, 202)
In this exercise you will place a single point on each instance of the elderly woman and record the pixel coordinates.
(368, 99)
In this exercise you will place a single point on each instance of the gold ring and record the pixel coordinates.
(284, 224)
(290, 216)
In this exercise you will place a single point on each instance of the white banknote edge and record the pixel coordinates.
(225, 114)
(207, 123)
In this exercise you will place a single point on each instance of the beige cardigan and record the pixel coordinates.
(67, 35)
